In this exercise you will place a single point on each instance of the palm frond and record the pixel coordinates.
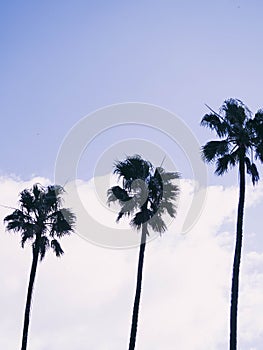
(132, 168)
(157, 224)
(141, 218)
(16, 220)
(43, 245)
(117, 193)
(27, 200)
(252, 170)
(128, 208)
(235, 112)
(213, 122)
(169, 207)
(37, 189)
(52, 199)
(214, 149)
(259, 151)
(161, 185)
(166, 175)
(27, 234)
(258, 124)
(170, 191)
(62, 222)
(56, 248)
(224, 163)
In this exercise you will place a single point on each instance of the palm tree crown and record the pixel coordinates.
(241, 137)
(40, 219)
(146, 193)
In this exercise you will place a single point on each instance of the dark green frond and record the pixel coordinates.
(27, 200)
(252, 170)
(69, 216)
(155, 187)
(169, 207)
(52, 199)
(258, 125)
(164, 175)
(42, 245)
(132, 168)
(254, 173)
(120, 215)
(213, 122)
(162, 187)
(157, 224)
(23, 240)
(259, 151)
(224, 163)
(62, 222)
(27, 234)
(235, 112)
(56, 248)
(170, 192)
(128, 208)
(37, 189)
(141, 218)
(117, 193)
(16, 221)
(214, 149)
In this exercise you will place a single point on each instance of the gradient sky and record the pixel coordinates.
(62, 60)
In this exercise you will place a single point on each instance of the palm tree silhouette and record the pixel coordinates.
(241, 141)
(146, 194)
(40, 219)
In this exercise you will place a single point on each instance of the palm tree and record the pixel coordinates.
(146, 194)
(41, 220)
(241, 142)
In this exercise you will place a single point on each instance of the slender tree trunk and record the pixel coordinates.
(29, 298)
(138, 289)
(237, 257)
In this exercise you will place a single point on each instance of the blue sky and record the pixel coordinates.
(61, 61)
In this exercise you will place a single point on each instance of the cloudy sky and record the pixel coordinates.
(63, 64)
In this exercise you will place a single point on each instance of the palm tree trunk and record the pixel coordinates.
(237, 257)
(29, 298)
(138, 289)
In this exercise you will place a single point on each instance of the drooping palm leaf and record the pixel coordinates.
(224, 163)
(213, 149)
(252, 170)
(56, 247)
(116, 193)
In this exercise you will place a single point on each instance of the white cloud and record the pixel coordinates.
(84, 300)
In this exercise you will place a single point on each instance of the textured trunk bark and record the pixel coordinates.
(138, 289)
(237, 257)
(29, 299)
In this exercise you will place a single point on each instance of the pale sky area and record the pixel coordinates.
(60, 62)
